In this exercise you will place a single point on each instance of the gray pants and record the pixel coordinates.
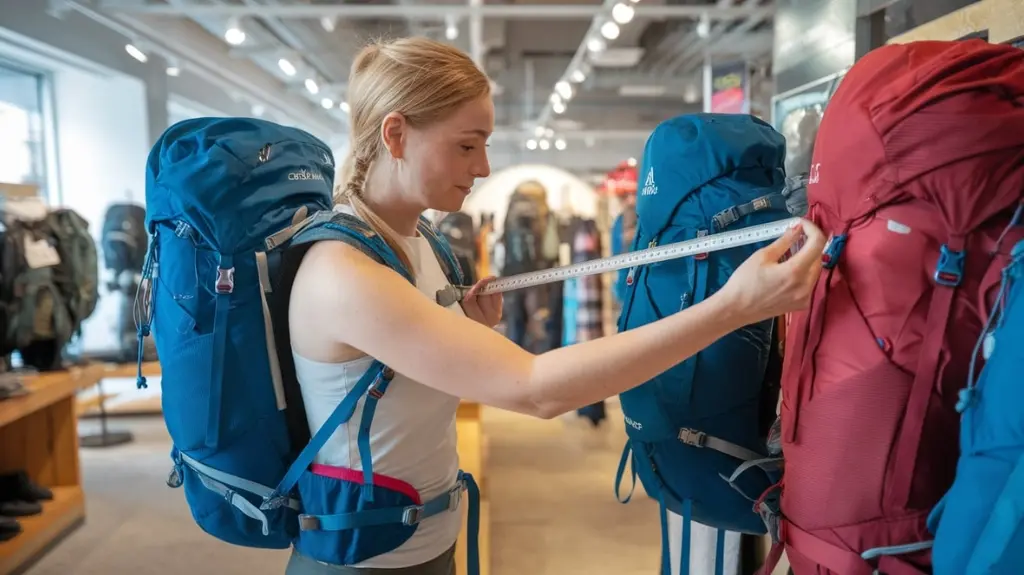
(443, 564)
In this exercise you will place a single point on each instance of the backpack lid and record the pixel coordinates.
(938, 121)
(236, 181)
(685, 153)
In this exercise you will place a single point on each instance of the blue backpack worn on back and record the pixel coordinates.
(979, 523)
(232, 206)
(696, 432)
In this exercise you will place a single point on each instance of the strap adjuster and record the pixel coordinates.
(950, 268)
(309, 523)
(692, 437)
(411, 515)
(833, 249)
(703, 256)
(225, 280)
(455, 496)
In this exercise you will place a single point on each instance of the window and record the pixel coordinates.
(22, 127)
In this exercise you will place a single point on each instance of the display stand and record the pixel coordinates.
(39, 434)
(471, 459)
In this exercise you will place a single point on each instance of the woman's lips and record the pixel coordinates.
(464, 190)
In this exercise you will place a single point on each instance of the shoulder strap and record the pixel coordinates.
(443, 251)
(353, 231)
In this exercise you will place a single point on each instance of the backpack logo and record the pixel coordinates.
(305, 175)
(815, 173)
(634, 424)
(650, 188)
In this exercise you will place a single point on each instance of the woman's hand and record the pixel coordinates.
(484, 309)
(762, 287)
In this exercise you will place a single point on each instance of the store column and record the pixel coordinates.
(155, 80)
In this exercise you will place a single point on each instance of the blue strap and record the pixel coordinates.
(224, 286)
(374, 393)
(443, 251)
(699, 272)
(339, 416)
(684, 551)
(720, 553)
(626, 452)
(146, 308)
(473, 525)
(666, 550)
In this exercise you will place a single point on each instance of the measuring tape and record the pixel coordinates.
(701, 245)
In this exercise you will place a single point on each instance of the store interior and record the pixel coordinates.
(87, 87)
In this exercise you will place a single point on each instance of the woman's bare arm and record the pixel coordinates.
(371, 308)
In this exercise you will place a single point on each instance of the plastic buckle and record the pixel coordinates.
(309, 523)
(411, 515)
(760, 203)
(950, 268)
(703, 256)
(455, 496)
(833, 249)
(225, 280)
(692, 437)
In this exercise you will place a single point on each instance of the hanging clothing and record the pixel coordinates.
(589, 313)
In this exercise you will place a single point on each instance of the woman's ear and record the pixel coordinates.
(393, 131)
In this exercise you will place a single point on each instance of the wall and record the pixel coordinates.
(102, 144)
(1003, 19)
(564, 191)
(813, 38)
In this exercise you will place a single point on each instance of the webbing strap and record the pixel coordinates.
(626, 453)
(720, 553)
(373, 395)
(341, 414)
(268, 329)
(833, 558)
(731, 215)
(898, 493)
(223, 288)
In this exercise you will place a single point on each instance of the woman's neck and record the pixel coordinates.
(386, 200)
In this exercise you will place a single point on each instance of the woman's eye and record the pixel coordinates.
(467, 148)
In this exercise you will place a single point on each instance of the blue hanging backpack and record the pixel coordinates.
(697, 431)
(232, 206)
(979, 523)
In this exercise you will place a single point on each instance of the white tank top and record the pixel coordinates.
(412, 438)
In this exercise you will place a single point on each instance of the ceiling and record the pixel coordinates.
(617, 92)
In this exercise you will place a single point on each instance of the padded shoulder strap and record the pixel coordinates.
(342, 227)
(443, 251)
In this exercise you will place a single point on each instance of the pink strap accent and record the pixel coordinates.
(835, 559)
(353, 476)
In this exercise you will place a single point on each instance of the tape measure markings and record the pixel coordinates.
(700, 245)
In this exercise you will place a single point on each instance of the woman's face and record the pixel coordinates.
(444, 160)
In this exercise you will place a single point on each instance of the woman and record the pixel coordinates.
(421, 114)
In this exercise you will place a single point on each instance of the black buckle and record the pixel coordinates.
(411, 515)
(692, 437)
(309, 523)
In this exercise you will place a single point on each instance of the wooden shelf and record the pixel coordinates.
(39, 435)
(66, 511)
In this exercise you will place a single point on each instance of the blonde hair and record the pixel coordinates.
(422, 79)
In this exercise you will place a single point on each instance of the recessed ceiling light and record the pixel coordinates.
(136, 53)
(287, 67)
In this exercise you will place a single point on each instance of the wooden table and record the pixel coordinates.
(39, 434)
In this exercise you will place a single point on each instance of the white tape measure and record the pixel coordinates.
(701, 245)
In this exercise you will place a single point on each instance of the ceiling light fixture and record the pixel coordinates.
(327, 103)
(311, 86)
(555, 97)
(558, 107)
(596, 45)
(704, 26)
(173, 71)
(531, 144)
(559, 144)
(345, 107)
(136, 53)
(257, 110)
(564, 90)
(538, 131)
(451, 30)
(234, 35)
(623, 13)
(577, 76)
(287, 67)
(610, 30)
(544, 144)
(327, 23)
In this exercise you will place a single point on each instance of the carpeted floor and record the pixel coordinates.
(549, 484)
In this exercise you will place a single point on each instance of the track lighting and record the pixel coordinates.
(287, 67)
(136, 53)
(623, 13)
(610, 30)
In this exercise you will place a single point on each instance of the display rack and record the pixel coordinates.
(39, 434)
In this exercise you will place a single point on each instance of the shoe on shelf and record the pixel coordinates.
(9, 528)
(16, 508)
(18, 485)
